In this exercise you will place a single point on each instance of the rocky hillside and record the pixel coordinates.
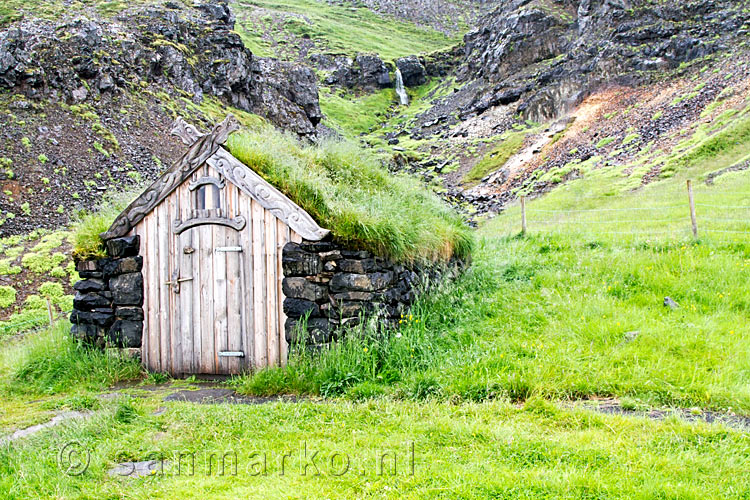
(531, 68)
(85, 102)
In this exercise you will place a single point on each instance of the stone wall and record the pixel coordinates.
(335, 288)
(108, 304)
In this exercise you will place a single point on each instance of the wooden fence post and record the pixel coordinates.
(693, 218)
(49, 312)
(523, 215)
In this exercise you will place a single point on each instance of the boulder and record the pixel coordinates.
(412, 71)
(372, 71)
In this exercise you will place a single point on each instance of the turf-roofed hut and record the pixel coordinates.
(214, 270)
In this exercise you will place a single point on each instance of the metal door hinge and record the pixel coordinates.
(231, 354)
(228, 249)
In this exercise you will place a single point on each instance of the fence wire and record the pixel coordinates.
(714, 221)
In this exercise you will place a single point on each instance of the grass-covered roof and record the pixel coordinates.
(346, 190)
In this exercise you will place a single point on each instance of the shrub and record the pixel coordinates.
(7, 296)
(7, 267)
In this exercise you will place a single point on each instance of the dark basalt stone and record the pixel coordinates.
(318, 331)
(84, 332)
(298, 262)
(357, 266)
(130, 313)
(301, 288)
(296, 308)
(127, 246)
(125, 333)
(363, 296)
(113, 267)
(127, 289)
(90, 285)
(90, 301)
(412, 71)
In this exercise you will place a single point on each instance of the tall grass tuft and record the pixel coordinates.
(52, 362)
(368, 360)
(346, 190)
(89, 225)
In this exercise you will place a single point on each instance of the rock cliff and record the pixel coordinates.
(193, 51)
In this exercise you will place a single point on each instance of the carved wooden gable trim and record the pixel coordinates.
(255, 186)
(207, 149)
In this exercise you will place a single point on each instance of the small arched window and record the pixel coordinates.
(207, 193)
(207, 197)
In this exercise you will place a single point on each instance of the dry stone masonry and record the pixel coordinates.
(107, 308)
(334, 288)
(331, 286)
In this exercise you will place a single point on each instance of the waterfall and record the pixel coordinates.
(400, 90)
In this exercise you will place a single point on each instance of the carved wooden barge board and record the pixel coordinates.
(207, 149)
(255, 186)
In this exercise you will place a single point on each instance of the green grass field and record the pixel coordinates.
(340, 28)
(491, 450)
(476, 379)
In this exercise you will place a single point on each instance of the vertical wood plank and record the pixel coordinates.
(174, 298)
(208, 347)
(235, 312)
(186, 302)
(165, 291)
(153, 294)
(195, 301)
(219, 302)
(272, 315)
(259, 288)
(246, 278)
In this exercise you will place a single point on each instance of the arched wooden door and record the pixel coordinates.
(208, 287)
(212, 274)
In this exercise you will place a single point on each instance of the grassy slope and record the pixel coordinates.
(346, 190)
(341, 29)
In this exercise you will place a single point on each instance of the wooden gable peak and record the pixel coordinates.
(207, 148)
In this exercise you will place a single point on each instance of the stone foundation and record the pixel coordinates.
(336, 288)
(108, 305)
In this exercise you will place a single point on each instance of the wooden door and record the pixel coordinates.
(213, 300)
(206, 308)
